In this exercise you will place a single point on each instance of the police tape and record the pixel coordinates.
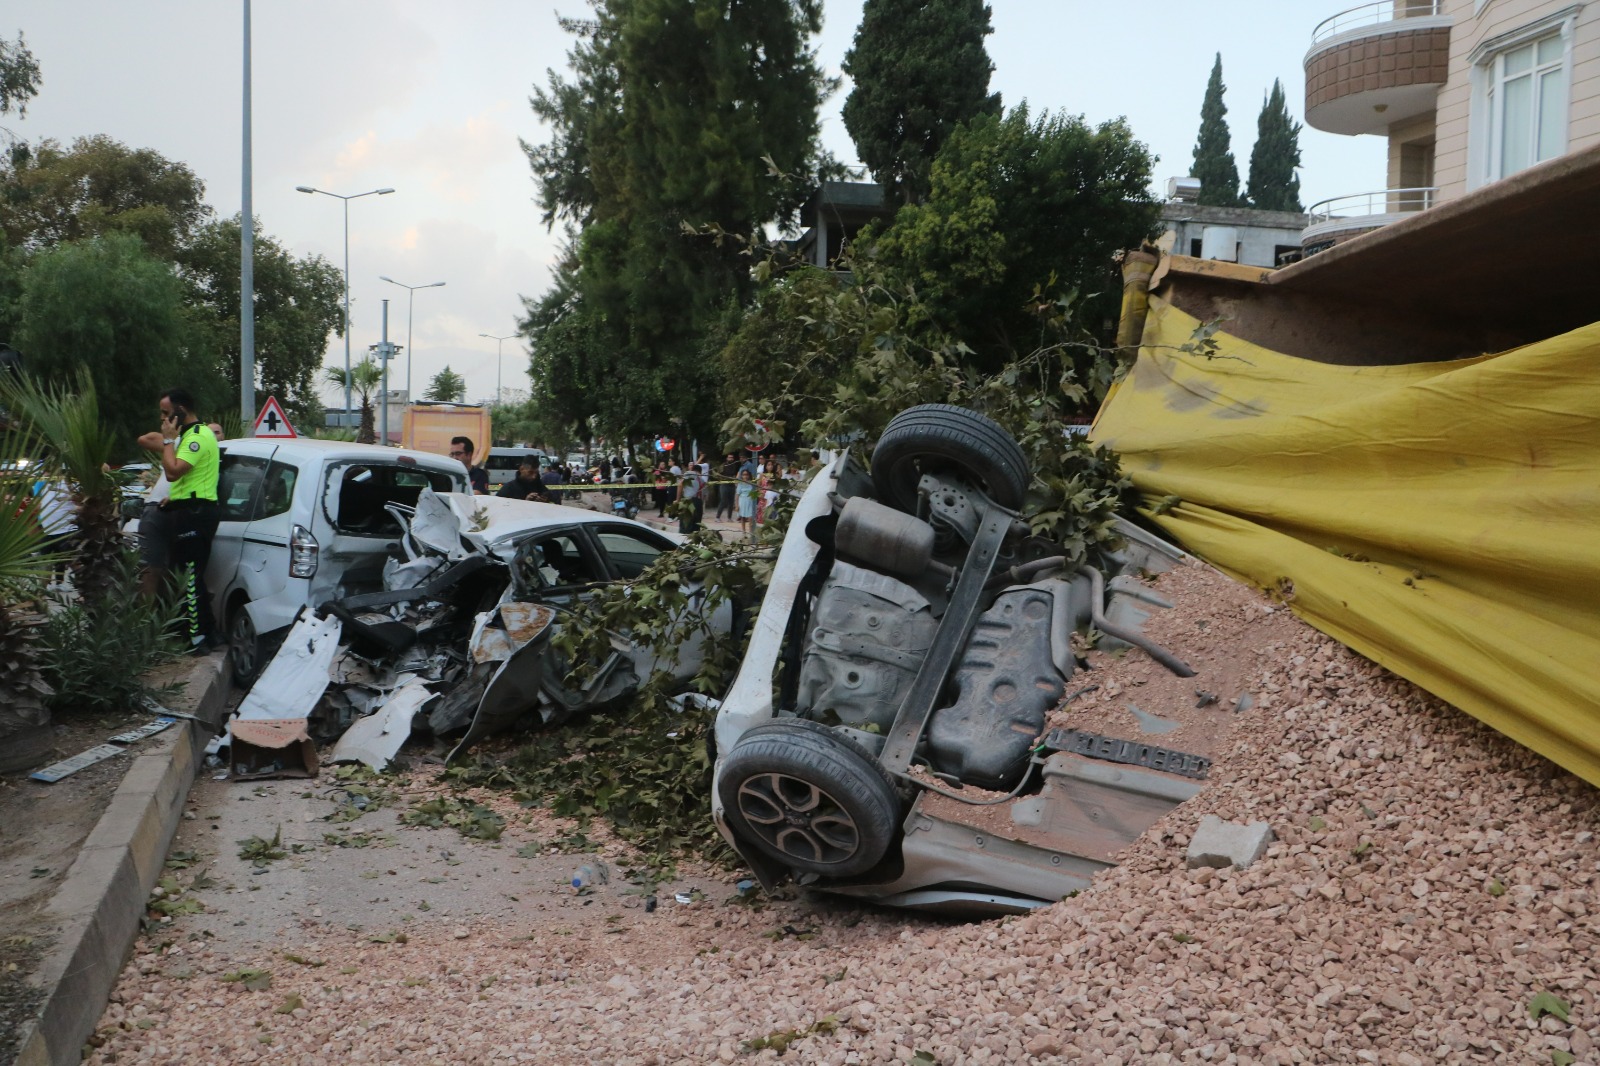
(584, 486)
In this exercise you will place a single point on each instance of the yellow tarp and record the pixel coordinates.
(1443, 519)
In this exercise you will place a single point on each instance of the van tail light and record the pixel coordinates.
(303, 550)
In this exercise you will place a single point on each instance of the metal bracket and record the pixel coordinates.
(954, 629)
(1130, 752)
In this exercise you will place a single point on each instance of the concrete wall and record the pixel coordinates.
(1260, 233)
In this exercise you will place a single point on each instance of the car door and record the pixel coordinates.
(556, 567)
(239, 479)
(629, 550)
(264, 553)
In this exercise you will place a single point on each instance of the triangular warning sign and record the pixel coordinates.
(272, 422)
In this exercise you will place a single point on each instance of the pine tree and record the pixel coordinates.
(1273, 183)
(920, 70)
(1213, 158)
(649, 152)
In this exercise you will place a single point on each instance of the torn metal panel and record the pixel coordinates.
(149, 729)
(500, 632)
(512, 692)
(67, 767)
(435, 526)
(272, 747)
(377, 738)
(297, 676)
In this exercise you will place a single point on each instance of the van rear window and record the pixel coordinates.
(358, 493)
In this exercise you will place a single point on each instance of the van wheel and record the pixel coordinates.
(248, 651)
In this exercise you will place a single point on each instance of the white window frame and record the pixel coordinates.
(1484, 124)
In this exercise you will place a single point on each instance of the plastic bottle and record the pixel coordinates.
(590, 874)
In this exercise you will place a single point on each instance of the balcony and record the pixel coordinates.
(1375, 65)
(1336, 221)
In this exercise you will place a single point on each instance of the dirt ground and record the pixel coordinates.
(41, 829)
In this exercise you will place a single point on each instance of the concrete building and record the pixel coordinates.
(1241, 235)
(834, 215)
(1467, 92)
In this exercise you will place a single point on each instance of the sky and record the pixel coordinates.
(431, 99)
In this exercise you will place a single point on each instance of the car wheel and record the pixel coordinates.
(938, 436)
(248, 651)
(808, 798)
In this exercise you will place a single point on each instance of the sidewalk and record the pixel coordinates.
(98, 908)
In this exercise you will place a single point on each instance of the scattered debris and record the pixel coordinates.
(100, 752)
(272, 747)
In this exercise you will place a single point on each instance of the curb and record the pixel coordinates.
(103, 897)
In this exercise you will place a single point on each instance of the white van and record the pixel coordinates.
(303, 522)
(501, 464)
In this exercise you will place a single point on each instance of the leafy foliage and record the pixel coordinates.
(107, 307)
(646, 149)
(85, 648)
(1213, 156)
(19, 76)
(1274, 185)
(1019, 207)
(366, 377)
(64, 421)
(919, 71)
(447, 386)
(97, 187)
(464, 816)
(645, 767)
(297, 305)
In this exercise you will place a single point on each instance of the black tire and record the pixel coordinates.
(248, 651)
(937, 436)
(809, 798)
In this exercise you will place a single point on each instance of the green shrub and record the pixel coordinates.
(95, 657)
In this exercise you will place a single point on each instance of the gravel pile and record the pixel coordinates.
(1432, 888)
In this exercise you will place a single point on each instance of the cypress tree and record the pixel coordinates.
(1274, 185)
(920, 70)
(1213, 158)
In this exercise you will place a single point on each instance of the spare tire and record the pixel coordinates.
(809, 798)
(937, 436)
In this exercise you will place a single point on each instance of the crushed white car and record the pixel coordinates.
(458, 641)
(910, 646)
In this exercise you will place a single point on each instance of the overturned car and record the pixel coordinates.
(884, 737)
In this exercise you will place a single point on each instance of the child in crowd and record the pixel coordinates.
(745, 495)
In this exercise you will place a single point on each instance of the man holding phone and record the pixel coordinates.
(190, 458)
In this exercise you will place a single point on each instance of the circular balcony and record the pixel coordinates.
(1341, 218)
(1375, 65)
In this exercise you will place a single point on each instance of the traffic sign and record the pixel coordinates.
(272, 422)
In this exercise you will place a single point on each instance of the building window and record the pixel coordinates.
(1527, 105)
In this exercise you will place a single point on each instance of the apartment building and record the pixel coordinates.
(1467, 92)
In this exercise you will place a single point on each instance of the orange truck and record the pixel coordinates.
(428, 427)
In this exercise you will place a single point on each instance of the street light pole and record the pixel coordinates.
(411, 292)
(346, 199)
(499, 365)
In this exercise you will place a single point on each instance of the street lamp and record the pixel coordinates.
(346, 199)
(411, 293)
(499, 347)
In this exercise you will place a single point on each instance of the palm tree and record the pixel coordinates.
(63, 421)
(24, 568)
(366, 377)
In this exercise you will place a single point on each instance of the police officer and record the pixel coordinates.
(189, 457)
